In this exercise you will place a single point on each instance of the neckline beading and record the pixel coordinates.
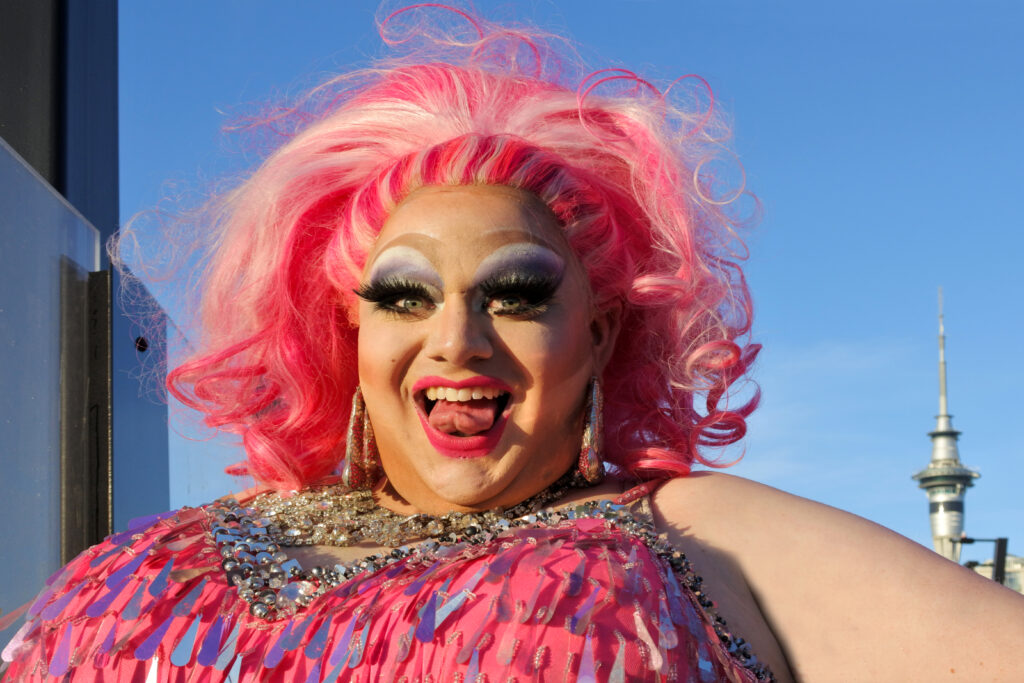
(276, 587)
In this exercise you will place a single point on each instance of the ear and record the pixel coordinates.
(604, 330)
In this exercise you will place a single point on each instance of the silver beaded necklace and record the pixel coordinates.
(251, 539)
(336, 516)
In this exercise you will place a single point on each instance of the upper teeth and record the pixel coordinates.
(464, 394)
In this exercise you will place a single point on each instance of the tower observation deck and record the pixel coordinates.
(945, 479)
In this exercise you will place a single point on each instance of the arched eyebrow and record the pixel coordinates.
(405, 261)
(526, 256)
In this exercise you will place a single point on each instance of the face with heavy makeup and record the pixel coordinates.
(477, 340)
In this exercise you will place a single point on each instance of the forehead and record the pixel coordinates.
(442, 221)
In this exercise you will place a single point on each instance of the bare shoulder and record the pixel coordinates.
(678, 515)
(844, 596)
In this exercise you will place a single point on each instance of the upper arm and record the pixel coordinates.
(844, 596)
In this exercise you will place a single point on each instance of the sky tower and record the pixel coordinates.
(945, 480)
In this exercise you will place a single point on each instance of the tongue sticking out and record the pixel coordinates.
(463, 417)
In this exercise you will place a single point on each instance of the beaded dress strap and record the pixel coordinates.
(640, 491)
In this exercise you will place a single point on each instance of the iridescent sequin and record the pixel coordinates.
(586, 594)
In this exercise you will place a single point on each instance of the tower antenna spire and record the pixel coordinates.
(945, 479)
(943, 400)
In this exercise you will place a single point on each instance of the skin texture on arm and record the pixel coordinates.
(846, 599)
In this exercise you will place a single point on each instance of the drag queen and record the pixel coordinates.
(474, 321)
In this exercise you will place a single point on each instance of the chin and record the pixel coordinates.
(469, 487)
(459, 484)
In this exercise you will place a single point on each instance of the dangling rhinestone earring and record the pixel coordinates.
(362, 463)
(590, 466)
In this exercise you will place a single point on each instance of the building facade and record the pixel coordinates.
(1014, 578)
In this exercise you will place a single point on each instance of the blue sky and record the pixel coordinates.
(883, 138)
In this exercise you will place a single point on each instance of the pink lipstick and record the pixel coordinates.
(462, 447)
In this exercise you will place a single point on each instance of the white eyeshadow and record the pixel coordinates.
(518, 255)
(407, 262)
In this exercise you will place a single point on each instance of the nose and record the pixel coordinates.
(458, 334)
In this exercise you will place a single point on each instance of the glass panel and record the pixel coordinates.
(45, 247)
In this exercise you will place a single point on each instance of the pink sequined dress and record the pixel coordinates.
(585, 595)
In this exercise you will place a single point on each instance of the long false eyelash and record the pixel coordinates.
(389, 289)
(536, 288)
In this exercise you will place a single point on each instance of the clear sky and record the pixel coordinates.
(883, 138)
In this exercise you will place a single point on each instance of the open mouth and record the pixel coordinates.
(464, 412)
(466, 420)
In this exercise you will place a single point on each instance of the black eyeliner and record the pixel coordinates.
(389, 289)
(536, 288)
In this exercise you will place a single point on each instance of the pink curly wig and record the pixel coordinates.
(620, 167)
